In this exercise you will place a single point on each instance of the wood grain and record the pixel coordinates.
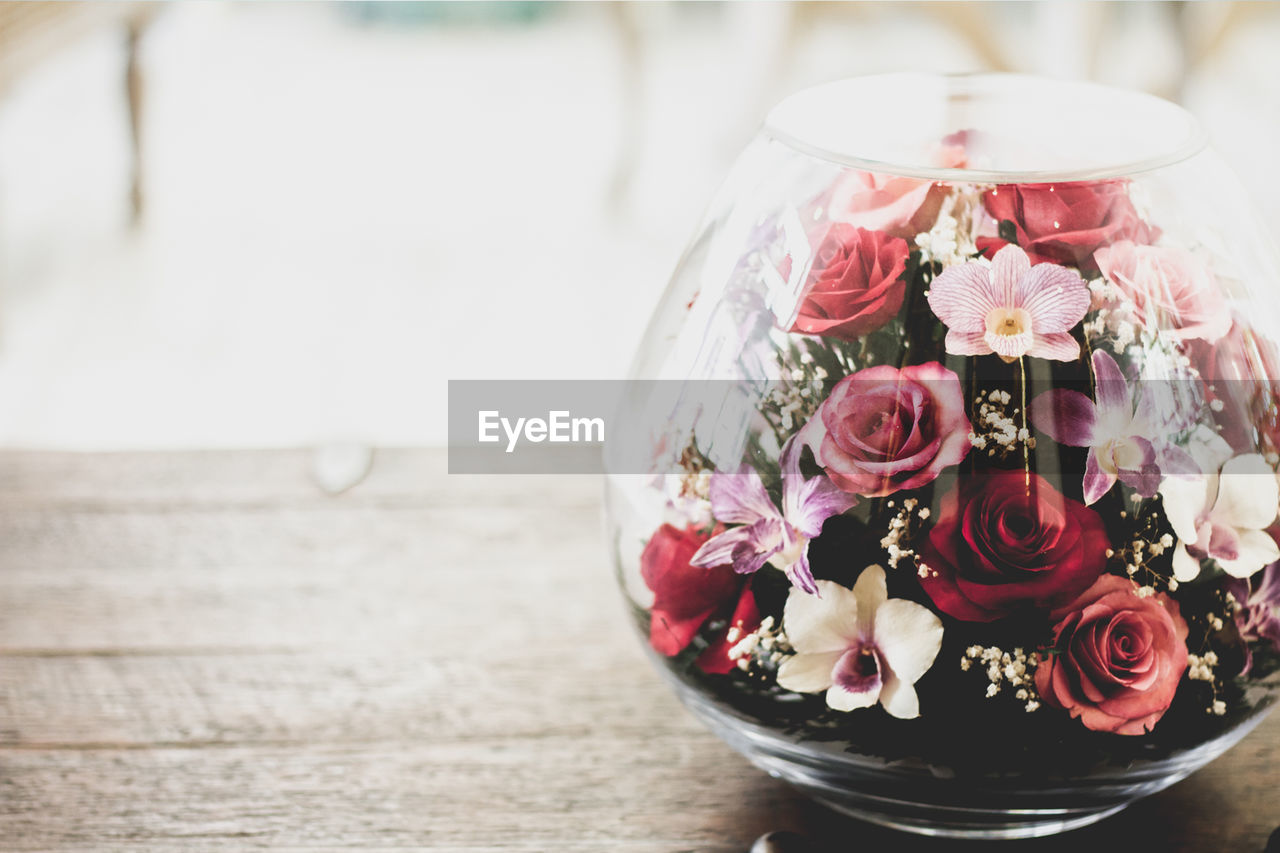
(204, 650)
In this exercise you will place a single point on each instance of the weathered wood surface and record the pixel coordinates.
(204, 650)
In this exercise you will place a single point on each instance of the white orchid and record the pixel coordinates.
(1224, 515)
(859, 645)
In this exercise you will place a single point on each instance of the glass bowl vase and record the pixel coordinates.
(945, 489)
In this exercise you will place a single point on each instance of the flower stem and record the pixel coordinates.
(1022, 412)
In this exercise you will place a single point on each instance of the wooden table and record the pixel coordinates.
(204, 650)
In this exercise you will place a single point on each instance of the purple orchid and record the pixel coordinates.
(767, 534)
(1115, 434)
(1258, 616)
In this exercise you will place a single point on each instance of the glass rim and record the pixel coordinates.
(780, 125)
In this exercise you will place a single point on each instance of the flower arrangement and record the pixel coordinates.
(1012, 489)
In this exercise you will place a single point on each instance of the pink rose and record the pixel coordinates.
(855, 284)
(883, 429)
(1240, 376)
(1171, 289)
(881, 202)
(900, 206)
(1065, 223)
(1118, 657)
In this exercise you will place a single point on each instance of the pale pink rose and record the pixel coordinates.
(884, 429)
(899, 206)
(1171, 289)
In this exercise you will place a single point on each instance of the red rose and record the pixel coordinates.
(1008, 540)
(1066, 223)
(746, 617)
(1119, 657)
(685, 596)
(854, 285)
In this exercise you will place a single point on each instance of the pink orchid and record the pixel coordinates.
(1117, 437)
(1011, 308)
(779, 537)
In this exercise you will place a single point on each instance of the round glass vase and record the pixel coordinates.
(946, 489)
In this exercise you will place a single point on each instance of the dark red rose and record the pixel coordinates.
(1066, 223)
(1008, 540)
(685, 596)
(1118, 657)
(855, 283)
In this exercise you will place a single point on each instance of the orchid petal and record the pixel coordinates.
(1176, 462)
(1224, 543)
(1097, 482)
(815, 501)
(1185, 566)
(1054, 296)
(1056, 346)
(821, 624)
(1010, 347)
(962, 296)
(840, 699)
(812, 434)
(740, 498)
(860, 670)
(789, 462)
(871, 592)
(800, 575)
(1009, 266)
(1256, 550)
(1132, 453)
(1112, 390)
(746, 548)
(1067, 417)
(1184, 501)
(1248, 494)
(909, 636)
(1143, 479)
(1268, 589)
(967, 343)
(899, 698)
(808, 672)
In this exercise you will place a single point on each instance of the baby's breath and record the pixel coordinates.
(996, 429)
(1014, 670)
(763, 648)
(902, 531)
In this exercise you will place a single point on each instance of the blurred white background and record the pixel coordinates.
(347, 205)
